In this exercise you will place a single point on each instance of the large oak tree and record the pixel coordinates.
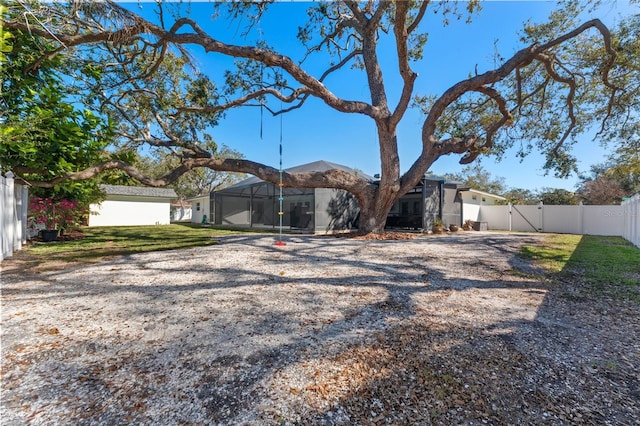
(564, 78)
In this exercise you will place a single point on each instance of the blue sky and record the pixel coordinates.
(316, 132)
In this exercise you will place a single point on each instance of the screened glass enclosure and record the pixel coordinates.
(254, 203)
(257, 206)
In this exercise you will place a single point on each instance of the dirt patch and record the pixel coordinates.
(331, 331)
(380, 237)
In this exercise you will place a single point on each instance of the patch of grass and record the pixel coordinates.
(103, 242)
(609, 265)
(554, 253)
(600, 265)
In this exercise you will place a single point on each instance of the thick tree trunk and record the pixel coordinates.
(373, 215)
(375, 208)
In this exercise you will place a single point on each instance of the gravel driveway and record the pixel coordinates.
(434, 330)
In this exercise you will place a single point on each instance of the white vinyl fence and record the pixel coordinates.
(580, 219)
(631, 212)
(13, 215)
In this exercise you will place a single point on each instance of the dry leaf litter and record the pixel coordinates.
(324, 331)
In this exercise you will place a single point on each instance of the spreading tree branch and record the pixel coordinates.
(408, 76)
(433, 148)
(333, 178)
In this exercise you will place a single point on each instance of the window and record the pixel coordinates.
(473, 197)
(197, 207)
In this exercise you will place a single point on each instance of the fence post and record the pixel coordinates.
(19, 217)
(634, 218)
(581, 216)
(8, 216)
(541, 216)
(3, 186)
(24, 213)
(509, 217)
(631, 212)
(627, 210)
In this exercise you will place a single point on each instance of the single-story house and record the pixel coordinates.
(254, 203)
(180, 211)
(132, 205)
(194, 210)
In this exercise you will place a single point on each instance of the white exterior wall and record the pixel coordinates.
(474, 201)
(479, 198)
(470, 212)
(204, 207)
(181, 213)
(120, 210)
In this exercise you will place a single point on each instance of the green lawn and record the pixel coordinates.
(604, 265)
(554, 253)
(101, 242)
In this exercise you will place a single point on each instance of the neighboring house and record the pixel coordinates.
(200, 209)
(181, 211)
(132, 205)
(254, 203)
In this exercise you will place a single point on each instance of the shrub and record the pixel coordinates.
(57, 214)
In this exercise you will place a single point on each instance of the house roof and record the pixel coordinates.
(482, 193)
(436, 178)
(316, 166)
(197, 197)
(140, 191)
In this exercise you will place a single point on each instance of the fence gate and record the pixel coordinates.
(527, 218)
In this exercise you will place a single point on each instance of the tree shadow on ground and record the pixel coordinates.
(299, 340)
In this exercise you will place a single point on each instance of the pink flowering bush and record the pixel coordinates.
(57, 214)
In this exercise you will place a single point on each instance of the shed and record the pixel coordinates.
(132, 205)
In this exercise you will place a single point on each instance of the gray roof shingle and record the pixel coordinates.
(316, 166)
(140, 191)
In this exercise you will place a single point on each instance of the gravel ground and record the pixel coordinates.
(452, 329)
